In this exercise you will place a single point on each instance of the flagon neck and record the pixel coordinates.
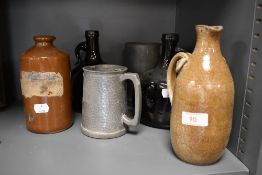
(92, 46)
(92, 40)
(92, 43)
(208, 39)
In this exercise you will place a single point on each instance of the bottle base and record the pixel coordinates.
(154, 124)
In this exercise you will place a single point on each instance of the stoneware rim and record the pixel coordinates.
(217, 28)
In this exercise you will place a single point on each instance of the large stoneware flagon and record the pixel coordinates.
(202, 97)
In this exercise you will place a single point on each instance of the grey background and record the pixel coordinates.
(118, 22)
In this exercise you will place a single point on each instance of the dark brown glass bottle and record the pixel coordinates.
(91, 57)
(156, 105)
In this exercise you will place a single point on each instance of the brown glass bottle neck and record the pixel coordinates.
(93, 54)
(92, 44)
(168, 51)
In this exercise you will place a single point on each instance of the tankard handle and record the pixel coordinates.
(175, 65)
(134, 77)
(79, 47)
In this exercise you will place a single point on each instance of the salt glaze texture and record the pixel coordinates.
(202, 97)
(45, 85)
(104, 109)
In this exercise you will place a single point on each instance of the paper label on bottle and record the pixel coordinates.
(195, 119)
(41, 84)
(165, 93)
(41, 108)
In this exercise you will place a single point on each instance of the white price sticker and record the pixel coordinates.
(195, 119)
(41, 108)
(165, 93)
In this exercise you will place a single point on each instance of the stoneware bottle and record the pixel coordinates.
(202, 97)
(45, 85)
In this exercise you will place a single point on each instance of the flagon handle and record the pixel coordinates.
(80, 47)
(176, 64)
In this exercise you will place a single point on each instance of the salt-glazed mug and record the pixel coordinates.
(104, 106)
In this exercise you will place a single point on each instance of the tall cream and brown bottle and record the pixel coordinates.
(202, 97)
(45, 85)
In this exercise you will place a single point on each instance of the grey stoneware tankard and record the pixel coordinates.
(104, 105)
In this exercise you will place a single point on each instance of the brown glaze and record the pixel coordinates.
(203, 86)
(45, 79)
